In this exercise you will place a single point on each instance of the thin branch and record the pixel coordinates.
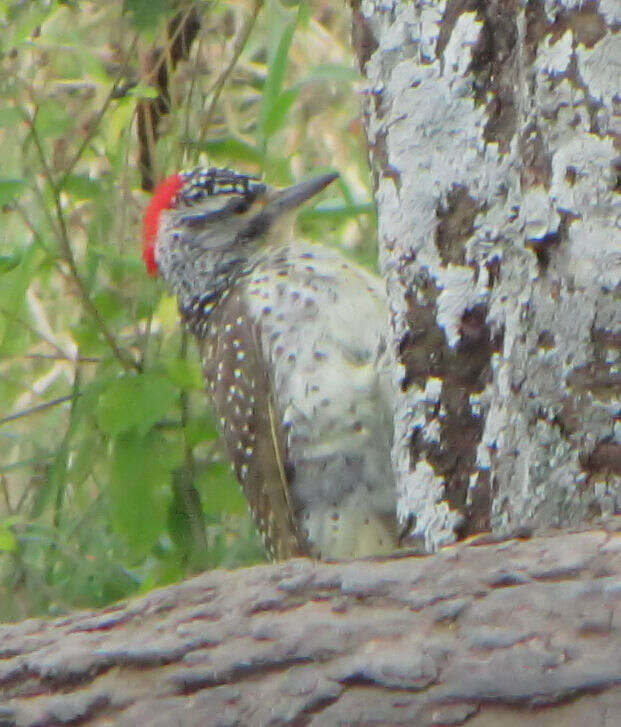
(59, 357)
(43, 203)
(24, 463)
(240, 43)
(186, 121)
(143, 338)
(87, 514)
(26, 492)
(35, 331)
(186, 488)
(93, 128)
(156, 66)
(64, 449)
(5, 492)
(36, 235)
(37, 408)
(125, 360)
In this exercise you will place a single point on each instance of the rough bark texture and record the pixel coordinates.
(481, 634)
(495, 146)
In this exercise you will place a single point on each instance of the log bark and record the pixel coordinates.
(494, 139)
(481, 633)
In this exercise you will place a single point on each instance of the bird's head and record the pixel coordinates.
(207, 221)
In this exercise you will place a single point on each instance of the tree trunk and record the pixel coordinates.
(494, 146)
(482, 633)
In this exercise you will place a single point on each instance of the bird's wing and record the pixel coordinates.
(242, 393)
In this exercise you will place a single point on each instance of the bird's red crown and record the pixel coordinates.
(163, 199)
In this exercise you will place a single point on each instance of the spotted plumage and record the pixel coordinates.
(291, 340)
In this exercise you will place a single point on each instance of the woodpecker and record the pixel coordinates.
(292, 341)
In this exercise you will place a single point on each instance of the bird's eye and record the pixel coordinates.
(240, 205)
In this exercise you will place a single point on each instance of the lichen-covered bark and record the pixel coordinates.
(483, 633)
(494, 146)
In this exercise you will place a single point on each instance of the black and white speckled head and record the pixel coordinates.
(203, 227)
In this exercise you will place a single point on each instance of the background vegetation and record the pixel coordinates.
(112, 480)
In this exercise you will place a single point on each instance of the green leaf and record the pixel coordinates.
(332, 72)
(9, 262)
(220, 493)
(83, 456)
(10, 117)
(25, 17)
(9, 189)
(135, 402)
(145, 14)
(230, 149)
(119, 119)
(184, 374)
(199, 430)
(139, 488)
(275, 77)
(82, 187)
(109, 304)
(278, 111)
(186, 519)
(142, 90)
(8, 541)
(15, 282)
(53, 119)
(87, 337)
(278, 66)
(278, 171)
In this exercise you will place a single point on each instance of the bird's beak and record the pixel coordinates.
(279, 202)
(289, 198)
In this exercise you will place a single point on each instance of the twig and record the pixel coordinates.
(186, 121)
(240, 42)
(5, 492)
(126, 361)
(37, 236)
(35, 331)
(24, 463)
(96, 502)
(37, 408)
(64, 452)
(156, 65)
(43, 203)
(100, 114)
(63, 357)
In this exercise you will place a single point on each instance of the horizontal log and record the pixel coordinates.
(482, 633)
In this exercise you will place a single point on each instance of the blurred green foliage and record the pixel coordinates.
(112, 478)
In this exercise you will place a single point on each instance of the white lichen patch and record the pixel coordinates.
(582, 173)
(433, 389)
(538, 215)
(458, 51)
(553, 57)
(424, 495)
(600, 68)
(610, 10)
(456, 296)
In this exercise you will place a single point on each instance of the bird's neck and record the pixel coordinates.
(204, 283)
(202, 291)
